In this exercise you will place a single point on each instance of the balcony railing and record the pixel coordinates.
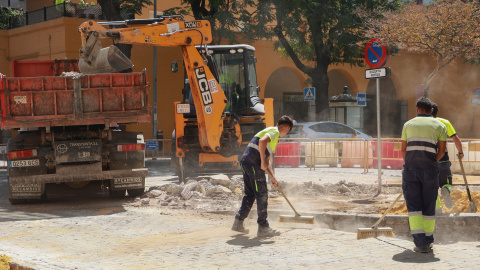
(55, 12)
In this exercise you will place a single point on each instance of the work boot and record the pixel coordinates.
(267, 232)
(238, 226)
(447, 200)
(425, 249)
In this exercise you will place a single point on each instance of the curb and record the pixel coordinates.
(449, 227)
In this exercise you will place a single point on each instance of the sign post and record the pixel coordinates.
(376, 56)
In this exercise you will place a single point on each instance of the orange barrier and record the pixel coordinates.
(354, 153)
(391, 155)
(287, 153)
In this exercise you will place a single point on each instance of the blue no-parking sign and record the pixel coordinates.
(309, 93)
(376, 54)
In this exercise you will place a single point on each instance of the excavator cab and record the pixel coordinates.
(234, 69)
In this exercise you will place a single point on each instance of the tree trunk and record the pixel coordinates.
(320, 82)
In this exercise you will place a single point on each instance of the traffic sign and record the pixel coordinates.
(309, 93)
(151, 145)
(376, 54)
(361, 99)
(476, 101)
(377, 73)
(476, 92)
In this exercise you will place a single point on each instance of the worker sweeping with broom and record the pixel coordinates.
(423, 145)
(254, 163)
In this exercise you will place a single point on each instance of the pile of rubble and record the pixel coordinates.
(219, 193)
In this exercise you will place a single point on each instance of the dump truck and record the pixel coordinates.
(69, 132)
(221, 109)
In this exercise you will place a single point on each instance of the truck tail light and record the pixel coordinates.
(130, 147)
(22, 154)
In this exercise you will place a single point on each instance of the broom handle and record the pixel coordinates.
(386, 211)
(281, 191)
(465, 179)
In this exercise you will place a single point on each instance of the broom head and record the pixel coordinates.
(297, 219)
(363, 233)
(472, 207)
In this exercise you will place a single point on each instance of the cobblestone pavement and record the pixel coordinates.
(149, 238)
(99, 233)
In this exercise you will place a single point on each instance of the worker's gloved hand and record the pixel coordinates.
(460, 155)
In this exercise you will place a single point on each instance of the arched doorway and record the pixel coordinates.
(390, 109)
(285, 85)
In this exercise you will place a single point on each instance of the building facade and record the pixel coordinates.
(278, 78)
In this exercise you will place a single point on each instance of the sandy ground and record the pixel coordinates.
(85, 229)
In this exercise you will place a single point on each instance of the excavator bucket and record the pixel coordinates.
(107, 60)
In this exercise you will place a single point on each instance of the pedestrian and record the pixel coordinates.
(423, 144)
(444, 164)
(254, 163)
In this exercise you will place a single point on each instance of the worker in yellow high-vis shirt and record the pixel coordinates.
(444, 172)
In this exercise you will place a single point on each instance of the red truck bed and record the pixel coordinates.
(48, 101)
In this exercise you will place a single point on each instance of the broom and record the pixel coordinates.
(289, 218)
(472, 207)
(375, 231)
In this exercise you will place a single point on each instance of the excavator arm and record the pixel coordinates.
(209, 97)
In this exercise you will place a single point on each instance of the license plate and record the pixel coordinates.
(24, 163)
(183, 108)
(128, 182)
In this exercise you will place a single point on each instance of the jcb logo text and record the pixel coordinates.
(203, 85)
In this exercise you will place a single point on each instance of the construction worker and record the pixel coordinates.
(444, 172)
(254, 163)
(423, 144)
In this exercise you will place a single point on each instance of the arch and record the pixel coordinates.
(287, 80)
(284, 79)
(338, 78)
(390, 111)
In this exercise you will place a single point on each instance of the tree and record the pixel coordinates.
(445, 29)
(222, 14)
(9, 17)
(116, 10)
(315, 34)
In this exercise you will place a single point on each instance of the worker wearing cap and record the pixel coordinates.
(254, 162)
(423, 143)
(444, 172)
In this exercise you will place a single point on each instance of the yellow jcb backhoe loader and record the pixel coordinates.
(221, 110)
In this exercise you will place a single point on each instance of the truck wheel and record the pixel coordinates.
(135, 192)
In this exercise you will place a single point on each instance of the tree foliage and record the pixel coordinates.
(315, 34)
(445, 29)
(222, 14)
(116, 9)
(8, 16)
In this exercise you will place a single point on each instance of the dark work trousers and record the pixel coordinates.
(420, 190)
(255, 184)
(444, 173)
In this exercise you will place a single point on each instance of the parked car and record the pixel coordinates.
(326, 129)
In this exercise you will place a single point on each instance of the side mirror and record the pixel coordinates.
(174, 66)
